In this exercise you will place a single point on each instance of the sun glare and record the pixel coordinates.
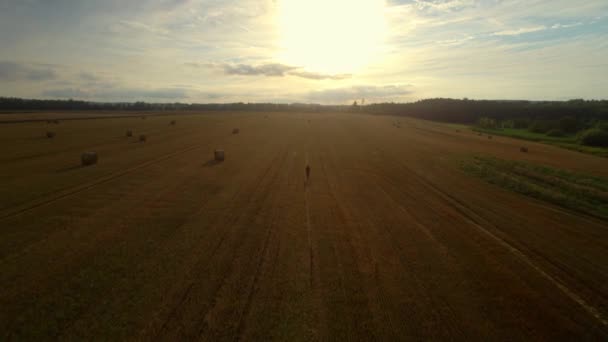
(331, 36)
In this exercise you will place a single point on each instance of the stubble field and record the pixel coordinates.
(388, 240)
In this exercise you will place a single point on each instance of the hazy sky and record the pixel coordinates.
(322, 51)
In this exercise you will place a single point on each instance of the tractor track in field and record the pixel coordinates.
(71, 191)
(343, 215)
(174, 312)
(241, 325)
(185, 220)
(476, 221)
(395, 241)
(311, 261)
(260, 204)
(442, 250)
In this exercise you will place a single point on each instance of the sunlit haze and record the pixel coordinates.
(333, 37)
(312, 51)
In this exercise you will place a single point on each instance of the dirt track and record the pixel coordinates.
(388, 240)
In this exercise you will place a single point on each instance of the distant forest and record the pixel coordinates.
(447, 110)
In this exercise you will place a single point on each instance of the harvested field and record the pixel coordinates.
(389, 239)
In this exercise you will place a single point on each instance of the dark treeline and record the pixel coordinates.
(471, 111)
(17, 104)
(448, 110)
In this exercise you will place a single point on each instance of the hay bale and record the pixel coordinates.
(89, 158)
(523, 149)
(219, 155)
(172, 123)
(129, 133)
(143, 138)
(489, 137)
(50, 135)
(235, 131)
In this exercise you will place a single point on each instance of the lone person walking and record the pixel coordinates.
(307, 172)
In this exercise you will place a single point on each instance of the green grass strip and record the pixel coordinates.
(578, 192)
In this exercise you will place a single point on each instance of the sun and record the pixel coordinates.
(331, 36)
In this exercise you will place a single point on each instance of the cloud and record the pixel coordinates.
(138, 26)
(369, 92)
(560, 26)
(119, 94)
(442, 5)
(12, 71)
(193, 64)
(319, 76)
(86, 76)
(272, 69)
(158, 93)
(519, 31)
(66, 93)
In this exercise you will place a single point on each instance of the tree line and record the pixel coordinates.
(448, 110)
(18, 104)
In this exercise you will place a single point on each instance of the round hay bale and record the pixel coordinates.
(523, 149)
(219, 155)
(129, 133)
(50, 135)
(235, 131)
(89, 158)
(143, 138)
(172, 123)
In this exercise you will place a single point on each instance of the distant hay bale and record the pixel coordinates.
(143, 138)
(172, 123)
(50, 135)
(235, 131)
(143, 118)
(89, 158)
(129, 133)
(523, 149)
(219, 155)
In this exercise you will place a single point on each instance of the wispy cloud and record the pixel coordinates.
(269, 70)
(14, 71)
(523, 30)
(119, 94)
(320, 76)
(371, 93)
(272, 69)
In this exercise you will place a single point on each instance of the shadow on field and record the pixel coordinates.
(211, 163)
(69, 168)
